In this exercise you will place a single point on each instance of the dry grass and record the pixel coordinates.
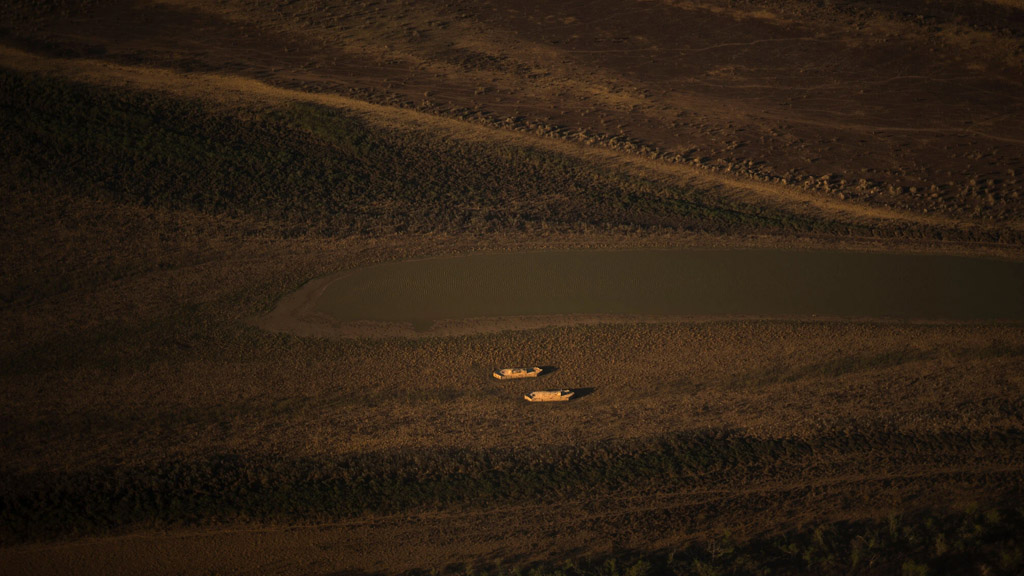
(864, 106)
(217, 388)
(143, 231)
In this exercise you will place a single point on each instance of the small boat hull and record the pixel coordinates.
(513, 373)
(549, 396)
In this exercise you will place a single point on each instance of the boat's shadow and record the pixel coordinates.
(578, 393)
(547, 370)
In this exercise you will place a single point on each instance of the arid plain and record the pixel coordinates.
(173, 170)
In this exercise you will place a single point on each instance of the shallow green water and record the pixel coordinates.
(681, 283)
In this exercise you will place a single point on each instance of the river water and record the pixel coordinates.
(762, 283)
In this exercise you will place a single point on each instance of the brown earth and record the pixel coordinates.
(507, 536)
(926, 384)
(911, 107)
(872, 112)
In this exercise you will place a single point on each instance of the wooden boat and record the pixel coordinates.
(549, 396)
(512, 373)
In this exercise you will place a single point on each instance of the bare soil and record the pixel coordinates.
(909, 108)
(129, 337)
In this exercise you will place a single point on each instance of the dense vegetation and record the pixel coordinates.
(316, 169)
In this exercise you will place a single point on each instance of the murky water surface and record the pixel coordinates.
(681, 283)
